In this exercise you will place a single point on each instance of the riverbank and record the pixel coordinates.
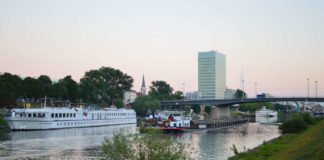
(304, 146)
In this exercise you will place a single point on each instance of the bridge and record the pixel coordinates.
(229, 102)
(220, 107)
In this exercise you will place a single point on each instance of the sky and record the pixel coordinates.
(277, 43)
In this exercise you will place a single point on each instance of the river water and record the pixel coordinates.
(84, 143)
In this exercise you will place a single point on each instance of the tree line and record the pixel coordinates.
(97, 86)
(104, 86)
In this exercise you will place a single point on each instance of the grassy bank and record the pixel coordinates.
(304, 146)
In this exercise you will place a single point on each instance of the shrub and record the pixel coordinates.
(308, 118)
(142, 147)
(294, 125)
(2, 122)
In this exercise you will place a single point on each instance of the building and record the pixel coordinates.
(192, 95)
(211, 75)
(129, 97)
(230, 93)
(143, 87)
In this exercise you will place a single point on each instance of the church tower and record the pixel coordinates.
(143, 88)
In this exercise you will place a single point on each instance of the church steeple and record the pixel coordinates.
(143, 87)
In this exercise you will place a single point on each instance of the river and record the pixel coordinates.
(84, 143)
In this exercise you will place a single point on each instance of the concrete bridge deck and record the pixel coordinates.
(220, 107)
(229, 102)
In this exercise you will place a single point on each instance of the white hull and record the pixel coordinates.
(67, 118)
(39, 125)
(266, 114)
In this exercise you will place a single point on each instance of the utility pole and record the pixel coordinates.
(307, 87)
(255, 89)
(316, 89)
(243, 88)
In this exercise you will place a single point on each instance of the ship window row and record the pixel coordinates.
(89, 122)
(120, 114)
(63, 115)
(30, 115)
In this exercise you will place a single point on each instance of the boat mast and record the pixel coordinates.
(45, 101)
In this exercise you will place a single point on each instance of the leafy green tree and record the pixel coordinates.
(254, 106)
(72, 88)
(208, 109)
(161, 90)
(240, 94)
(143, 104)
(59, 91)
(142, 147)
(119, 103)
(45, 85)
(178, 95)
(104, 85)
(196, 108)
(32, 88)
(11, 87)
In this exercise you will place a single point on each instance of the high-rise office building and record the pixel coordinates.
(211, 75)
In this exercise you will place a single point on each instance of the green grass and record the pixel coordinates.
(308, 145)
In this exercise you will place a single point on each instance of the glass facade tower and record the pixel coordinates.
(211, 75)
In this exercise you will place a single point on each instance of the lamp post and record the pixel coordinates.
(307, 87)
(316, 89)
(243, 89)
(255, 89)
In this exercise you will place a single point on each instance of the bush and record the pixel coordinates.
(142, 147)
(2, 122)
(308, 118)
(294, 125)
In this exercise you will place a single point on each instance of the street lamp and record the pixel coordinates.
(316, 89)
(255, 89)
(243, 89)
(307, 87)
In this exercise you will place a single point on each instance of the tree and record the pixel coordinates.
(143, 104)
(119, 103)
(32, 88)
(240, 94)
(45, 85)
(178, 95)
(104, 85)
(196, 108)
(72, 88)
(59, 91)
(161, 90)
(254, 106)
(208, 109)
(11, 87)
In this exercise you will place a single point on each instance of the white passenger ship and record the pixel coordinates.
(56, 118)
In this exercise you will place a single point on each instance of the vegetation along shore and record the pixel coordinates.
(303, 139)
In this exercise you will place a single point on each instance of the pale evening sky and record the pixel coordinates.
(278, 43)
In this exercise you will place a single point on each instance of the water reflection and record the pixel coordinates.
(57, 144)
(84, 143)
(215, 144)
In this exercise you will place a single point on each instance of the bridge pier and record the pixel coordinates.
(220, 112)
(202, 111)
